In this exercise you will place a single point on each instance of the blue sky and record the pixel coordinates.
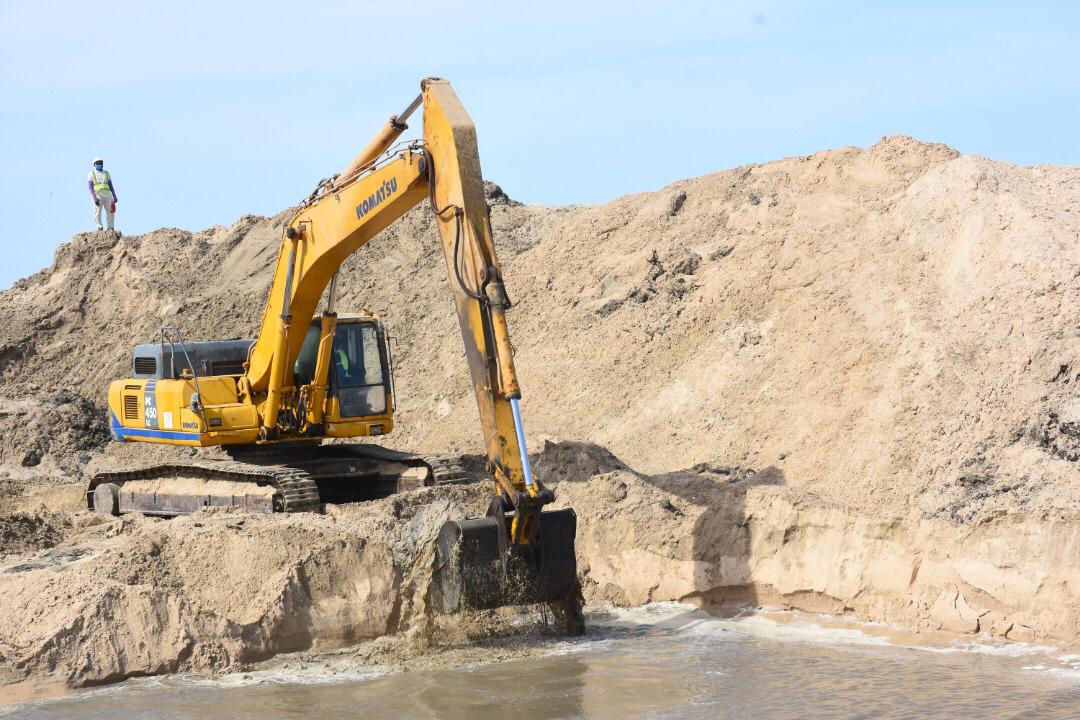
(208, 111)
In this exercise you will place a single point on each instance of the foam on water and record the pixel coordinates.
(703, 655)
(690, 620)
(686, 619)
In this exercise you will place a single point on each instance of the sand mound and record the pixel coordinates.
(22, 532)
(890, 327)
(89, 599)
(732, 537)
(50, 435)
(215, 590)
(866, 357)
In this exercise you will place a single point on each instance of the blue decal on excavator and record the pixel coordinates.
(119, 432)
(116, 428)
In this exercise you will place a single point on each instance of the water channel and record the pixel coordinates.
(659, 661)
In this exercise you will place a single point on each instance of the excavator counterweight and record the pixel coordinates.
(312, 375)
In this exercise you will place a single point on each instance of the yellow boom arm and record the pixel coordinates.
(343, 215)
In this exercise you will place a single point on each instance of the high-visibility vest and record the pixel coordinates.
(101, 181)
(343, 360)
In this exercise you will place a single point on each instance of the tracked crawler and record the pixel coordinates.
(312, 375)
(296, 479)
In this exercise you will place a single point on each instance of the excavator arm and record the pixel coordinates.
(517, 553)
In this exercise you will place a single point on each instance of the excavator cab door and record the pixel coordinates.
(359, 378)
(359, 370)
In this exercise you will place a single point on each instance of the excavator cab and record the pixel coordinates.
(360, 380)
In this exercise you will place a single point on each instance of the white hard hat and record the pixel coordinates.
(97, 160)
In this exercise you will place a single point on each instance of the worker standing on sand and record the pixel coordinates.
(103, 193)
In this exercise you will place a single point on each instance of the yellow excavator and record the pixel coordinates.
(310, 375)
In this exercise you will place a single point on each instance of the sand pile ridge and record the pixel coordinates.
(893, 321)
(872, 352)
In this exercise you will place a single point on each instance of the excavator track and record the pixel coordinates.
(270, 479)
(220, 484)
(445, 469)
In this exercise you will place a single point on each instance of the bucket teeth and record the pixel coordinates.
(472, 573)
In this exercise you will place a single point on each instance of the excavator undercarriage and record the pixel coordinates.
(285, 477)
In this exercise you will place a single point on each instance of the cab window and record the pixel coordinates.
(358, 370)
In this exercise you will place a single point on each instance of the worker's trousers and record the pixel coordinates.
(104, 203)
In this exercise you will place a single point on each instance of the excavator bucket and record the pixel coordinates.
(476, 569)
